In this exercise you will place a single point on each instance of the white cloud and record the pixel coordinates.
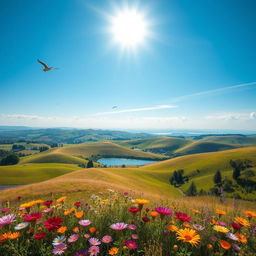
(253, 115)
(232, 116)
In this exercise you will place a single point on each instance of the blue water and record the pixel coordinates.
(121, 161)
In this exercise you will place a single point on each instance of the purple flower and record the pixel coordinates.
(221, 223)
(236, 247)
(94, 241)
(94, 250)
(118, 226)
(59, 249)
(131, 244)
(5, 209)
(8, 219)
(232, 236)
(73, 238)
(132, 227)
(106, 239)
(81, 253)
(163, 210)
(198, 227)
(84, 222)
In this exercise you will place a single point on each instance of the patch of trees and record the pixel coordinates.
(8, 158)
(43, 148)
(17, 147)
(89, 164)
(178, 178)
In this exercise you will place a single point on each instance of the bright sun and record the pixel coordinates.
(129, 28)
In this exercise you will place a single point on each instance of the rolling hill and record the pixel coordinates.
(247, 140)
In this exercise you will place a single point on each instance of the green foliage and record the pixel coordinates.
(177, 178)
(10, 159)
(217, 178)
(192, 190)
(89, 164)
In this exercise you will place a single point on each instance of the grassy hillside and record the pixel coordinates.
(233, 139)
(30, 173)
(157, 144)
(106, 149)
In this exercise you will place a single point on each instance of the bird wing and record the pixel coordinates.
(42, 63)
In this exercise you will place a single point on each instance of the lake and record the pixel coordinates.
(125, 161)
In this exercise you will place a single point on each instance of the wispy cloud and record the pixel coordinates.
(135, 110)
(232, 116)
(215, 91)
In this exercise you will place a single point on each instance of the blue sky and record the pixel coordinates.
(173, 80)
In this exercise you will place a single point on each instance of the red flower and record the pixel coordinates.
(182, 216)
(53, 223)
(33, 216)
(236, 226)
(39, 235)
(77, 204)
(145, 219)
(147, 209)
(131, 244)
(48, 202)
(134, 209)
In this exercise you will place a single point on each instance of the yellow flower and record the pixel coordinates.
(79, 214)
(113, 251)
(61, 199)
(241, 238)
(250, 214)
(225, 245)
(141, 201)
(188, 236)
(196, 211)
(242, 221)
(220, 229)
(175, 247)
(220, 212)
(172, 228)
(105, 201)
(62, 229)
(14, 235)
(31, 203)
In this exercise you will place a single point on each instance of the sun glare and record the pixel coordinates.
(129, 28)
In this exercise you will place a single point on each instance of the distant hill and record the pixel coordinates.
(233, 139)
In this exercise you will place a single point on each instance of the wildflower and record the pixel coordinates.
(59, 249)
(145, 219)
(126, 193)
(80, 253)
(87, 236)
(67, 212)
(198, 227)
(118, 226)
(7, 219)
(141, 202)
(33, 216)
(77, 204)
(154, 214)
(220, 229)
(113, 251)
(132, 227)
(134, 236)
(106, 239)
(92, 230)
(236, 247)
(220, 212)
(79, 214)
(39, 235)
(76, 229)
(221, 223)
(209, 246)
(94, 241)
(232, 236)
(62, 229)
(186, 225)
(61, 199)
(48, 203)
(250, 214)
(213, 238)
(243, 222)
(241, 238)
(84, 223)
(53, 223)
(172, 228)
(21, 225)
(134, 210)
(14, 235)
(236, 226)
(73, 238)
(182, 216)
(175, 247)
(5, 210)
(188, 236)
(58, 240)
(131, 244)
(196, 211)
(94, 250)
(163, 211)
(46, 210)
(225, 245)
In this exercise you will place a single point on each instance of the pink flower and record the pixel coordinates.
(87, 236)
(131, 244)
(59, 249)
(47, 210)
(221, 223)
(84, 222)
(118, 226)
(5, 209)
(73, 238)
(182, 216)
(132, 227)
(163, 210)
(8, 219)
(135, 236)
(94, 241)
(94, 250)
(33, 216)
(106, 239)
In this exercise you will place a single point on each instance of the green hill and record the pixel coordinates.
(233, 139)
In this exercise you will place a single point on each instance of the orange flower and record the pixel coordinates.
(116, 198)
(79, 214)
(220, 212)
(172, 228)
(76, 229)
(39, 228)
(141, 201)
(186, 225)
(14, 235)
(154, 214)
(188, 236)
(67, 212)
(92, 229)
(241, 238)
(196, 211)
(113, 251)
(4, 236)
(62, 229)
(209, 246)
(225, 245)
(61, 199)
(242, 221)
(250, 214)
(213, 221)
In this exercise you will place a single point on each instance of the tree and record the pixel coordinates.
(90, 164)
(192, 191)
(10, 160)
(217, 178)
(236, 173)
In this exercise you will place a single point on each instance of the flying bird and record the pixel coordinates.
(114, 107)
(46, 68)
